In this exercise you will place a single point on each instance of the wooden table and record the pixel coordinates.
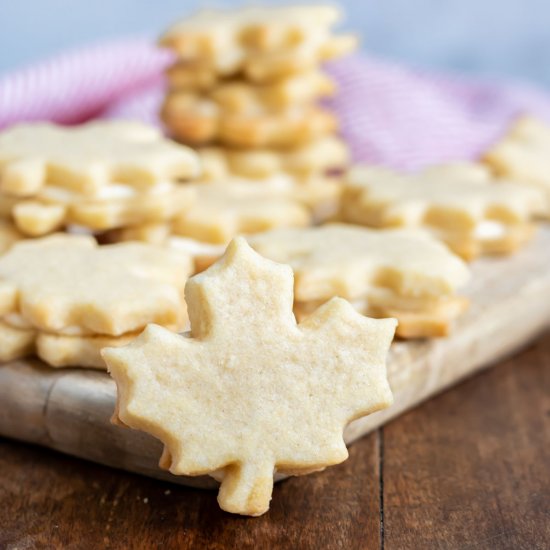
(468, 469)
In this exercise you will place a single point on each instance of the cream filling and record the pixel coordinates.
(489, 230)
(196, 248)
(107, 192)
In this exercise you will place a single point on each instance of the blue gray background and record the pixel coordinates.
(504, 38)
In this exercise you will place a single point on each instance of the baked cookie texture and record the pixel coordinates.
(399, 273)
(317, 157)
(279, 394)
(99, 176)
(523, 155)
(225, 210)
(87, 157)
(458, 203)
(198, 121)
(260, 41)
(65, 297)
(245, 88)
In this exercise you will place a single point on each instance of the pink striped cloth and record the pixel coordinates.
(390, 114)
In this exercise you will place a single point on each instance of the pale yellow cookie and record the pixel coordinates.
(523, 155)
(117, 205)
(86, 157)
(193, 75)
(460, 205)
(271, 67)
(259, 67)
(320, 195)
(220, 32)
(224, 210)
(198, 120)
(68, 283)
(57, 350)
(403, 273)
(239, 96)
(249, 392)
(9, 235)
(139, 209)
(255, 39)
(204, 254)
(34, 218)
(418, 318)
(318, 157)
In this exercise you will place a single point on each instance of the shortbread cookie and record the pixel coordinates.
(321, 195)
(225, 210)
(117, 206)
(239, 96)
(9, 235)
(66, 283)
(86, 157)
(523, 155)
(249, 392)
(271, 67)
(261, 42)
(198, 120)
(323, 155)
(418, 318)
(35, 219)
(470, 213)
(403, 273)
(203, 254)
(57, 350)
(260, 68)
(229, 33)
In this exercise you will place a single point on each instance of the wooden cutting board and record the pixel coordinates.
(69, 409)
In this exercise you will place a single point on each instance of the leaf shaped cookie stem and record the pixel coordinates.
(250, 391)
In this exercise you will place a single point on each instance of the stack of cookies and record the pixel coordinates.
(404, 274)
(245, 91)
(64, 298)
(461, 204)
(96, 176)
(523, 154)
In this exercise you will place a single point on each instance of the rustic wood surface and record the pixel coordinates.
(468, 469)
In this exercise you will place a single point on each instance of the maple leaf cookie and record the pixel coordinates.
(262, 42)
(197, 120)
(523, 155)
(404, 274)
(249, 392)
(115, 205)
(87, 157)
(224, 210)
(65, 297)
(318, 157)
(460, 204)
(238, 95)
